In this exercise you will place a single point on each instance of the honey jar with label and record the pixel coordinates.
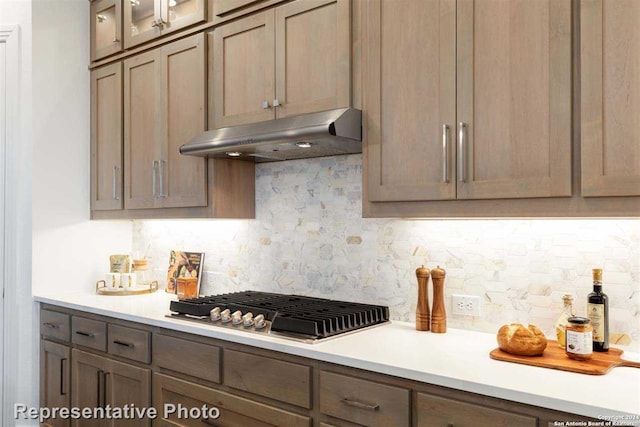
(579, 338)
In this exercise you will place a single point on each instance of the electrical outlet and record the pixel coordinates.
(466, 305)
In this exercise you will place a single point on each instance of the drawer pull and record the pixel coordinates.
(64, 387)
(124, 344)
(450, 425)
(360, 405)
(51, 325)
(208, 422)
(85, 334)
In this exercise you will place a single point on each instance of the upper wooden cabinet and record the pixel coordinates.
(106, 28)
(287, 61)
(224, 10)
(476, 104)
(106, 137)
(610, 97)
(146, 20)
(164, 107)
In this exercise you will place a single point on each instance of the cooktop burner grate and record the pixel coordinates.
(294, 315)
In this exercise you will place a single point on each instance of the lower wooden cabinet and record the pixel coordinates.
(234, 411)
(55, 378)
(435, 411)
(178, 373)
(98, 382)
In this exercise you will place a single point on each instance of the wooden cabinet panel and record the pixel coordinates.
(106, 138)
(435, 411)
(128, 385)
(410, 87)
(55, 325)
(226, 10)
(234, 411)
(242, 72)
(142, 128)
(187, 357)
(130, 343)
(224, 7)
(183, 180)
(89, 333)
(106, 28)
(363, 402)
(313, 56)
(275, 379)
(514, 98)
(55, 376)
(88, 374)
(610, 97)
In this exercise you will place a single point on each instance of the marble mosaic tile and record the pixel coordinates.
(309, 238)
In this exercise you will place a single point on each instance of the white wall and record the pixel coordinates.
(69, 251)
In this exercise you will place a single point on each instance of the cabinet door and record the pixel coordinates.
(182, 179)
(88, 374)
(514, 98)
(106, 137)
(242, 68)
(140, 21)
(234, 411)
(435, 411)
(610, 97)
(177, 14)
(54, 379)
(142, 129)
(128, 385)
(409, 98)
(106, 28)
(313, 56)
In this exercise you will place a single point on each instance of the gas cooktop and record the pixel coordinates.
(297, 317)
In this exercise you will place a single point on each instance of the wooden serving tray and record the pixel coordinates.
(555, 358)
(147, 288)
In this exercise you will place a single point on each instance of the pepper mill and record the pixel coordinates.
(438, 315)
(423, 318)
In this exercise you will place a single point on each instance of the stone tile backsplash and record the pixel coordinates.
(309, 238)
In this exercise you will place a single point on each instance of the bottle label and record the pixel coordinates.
(579, 342)
(595, 312)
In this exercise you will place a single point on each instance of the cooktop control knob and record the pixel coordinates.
(215, 314)
(247, 320)
(259, 321)
(225, 316)
(236, 317)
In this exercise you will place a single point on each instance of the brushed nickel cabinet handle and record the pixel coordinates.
(107, 387)
(462, 165)
(265, 105)
(64, 387)
(445, 154)
(115, 39)
(154, 177)
(85, 334)
(360, 405)
(51, 325)
(116, 172)
(124, 344)
(276, 103)
(161, 173)
(100, 403)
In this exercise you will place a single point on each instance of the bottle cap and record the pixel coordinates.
(597, 274)
(579, 320)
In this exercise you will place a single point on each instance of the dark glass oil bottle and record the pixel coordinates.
(598, 313)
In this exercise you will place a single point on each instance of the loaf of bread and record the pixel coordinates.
(516, 339)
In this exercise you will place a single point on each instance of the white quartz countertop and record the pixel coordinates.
(458, 359)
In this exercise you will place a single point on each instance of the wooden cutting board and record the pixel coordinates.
(555, 358)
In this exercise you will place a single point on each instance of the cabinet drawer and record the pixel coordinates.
(54, 325)
(234, 411)
(187, 357)
(89, 333)
(434, 411)
(225, 10)
(275, 379)
(130, 343)
(363, 402)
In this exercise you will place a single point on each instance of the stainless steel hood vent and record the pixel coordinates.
(327, 133)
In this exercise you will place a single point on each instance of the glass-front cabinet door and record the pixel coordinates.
(145, 20)
(106, 28)
(141, 21)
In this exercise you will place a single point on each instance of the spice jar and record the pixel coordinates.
(579, 338)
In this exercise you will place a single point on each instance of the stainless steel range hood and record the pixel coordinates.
(327, 133)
